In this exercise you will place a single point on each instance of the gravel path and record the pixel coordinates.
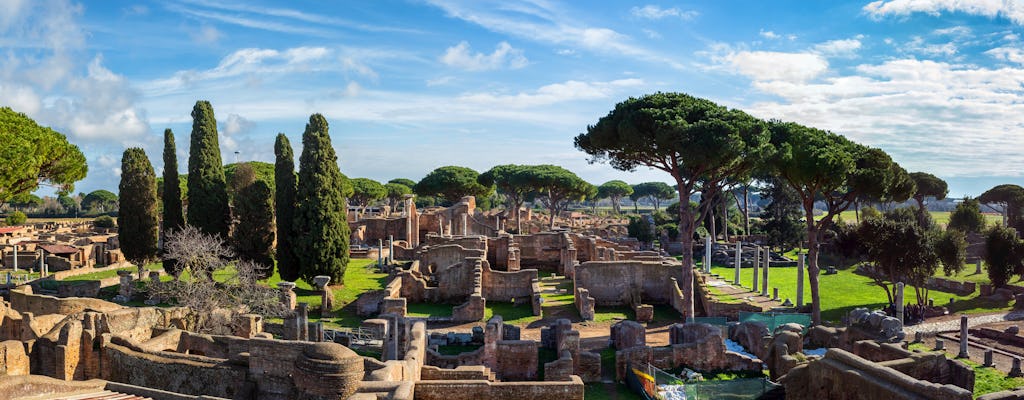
(953, 324)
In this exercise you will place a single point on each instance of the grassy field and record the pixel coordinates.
(846, 290)
(986, 379)
(940, 217)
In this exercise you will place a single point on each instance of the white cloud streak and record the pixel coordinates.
(651, 11)
(1009, 9)
(504, 56)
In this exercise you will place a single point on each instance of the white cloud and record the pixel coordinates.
(1009, 9)
(544, 22)
(839, 48)
(655, 12)
(554, 93)
(774, 66)
(1011, 54)
(956, 31)
(918, 45)
(235, 124)
(504, 56)
(440, 81)
(769, 34)
(926, 113)
(652, 34)
(206, 34)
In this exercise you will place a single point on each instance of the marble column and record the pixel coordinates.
(800, 261)
(738, 262)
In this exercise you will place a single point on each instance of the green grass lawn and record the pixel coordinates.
(986, 379)
(940, 217)
(846, 290)
(95, 276)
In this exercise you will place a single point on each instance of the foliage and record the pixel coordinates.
(653, 191)
(927, 185)
(452, 184)
(395, 193)
(901, 249)
(640, 229)
(174, 217)
(263, 171)
(138, 221)
(1003, 255)
(100, 201)
(26, 201)
(104, 221)
(869, 213)
(557, 186)
(967, 217)
(286, 183)
(33, 154)
(254, 233)
(951, 248)
(403, 181)
(207, 190)
(69, 203)
(366, 191)
(669, 230)
(782, 217)
(698, 142)
(15, 218)
(516, 182)
(320, 222)
(239, 292)
(614, 190)
(1011, 197)
(823, 166)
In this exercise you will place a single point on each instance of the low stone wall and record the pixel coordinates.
(86, 289)
(23, 300)
(508, 286)
(697, 346)
(951, 286)
(584, 304)
(471, 390)
(192, 375)
(845, 376)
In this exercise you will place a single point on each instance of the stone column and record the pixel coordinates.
(42, 261)
(963, 337)
(737, 261)
(800, 259)
(704, 263)
(287, 296)
(707, 253)
(380, 253)
(391, 249)
(977, 267)
(757, 264)
(450, 232)
(465, 225)
(126, 284)
(326, 296)
(302, 312)
(988, 358)
(775, 294)
(440, 226)
(764, 277)
(1015, 371)
(15, 258)
(899, 301)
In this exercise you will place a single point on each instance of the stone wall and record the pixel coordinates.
(23, 300)
(697, 346)
(613, 283)
(469, 390)
(842, 375)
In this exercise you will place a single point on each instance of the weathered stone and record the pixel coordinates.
(628, 334)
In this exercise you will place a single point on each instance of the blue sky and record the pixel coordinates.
(409, 86)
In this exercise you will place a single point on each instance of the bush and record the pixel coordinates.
(967, 217)
(640, 229)
(670, 229)
(104, 221)
(1003, 253)
(16, 218)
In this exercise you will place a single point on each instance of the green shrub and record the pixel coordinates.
(16, 218)
(103, 221)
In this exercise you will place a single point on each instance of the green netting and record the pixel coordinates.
(720, 321)
(773, 320)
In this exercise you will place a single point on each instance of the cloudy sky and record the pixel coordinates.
(409, 86)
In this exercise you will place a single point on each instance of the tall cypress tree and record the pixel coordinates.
(253, 236)
(138, 220)
(284, 204)
(207, 192)
(173, 217)
(321, 228)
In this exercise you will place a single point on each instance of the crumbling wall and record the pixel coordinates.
(843, 375)
(23, 300)
(482, 389)
(508, 286)
(613, 283)
(695, 345)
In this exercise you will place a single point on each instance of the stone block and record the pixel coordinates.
(628, 334)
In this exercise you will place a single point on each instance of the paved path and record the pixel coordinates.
(953, 324)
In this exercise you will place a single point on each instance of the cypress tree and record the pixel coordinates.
(254, 234)
(207, 192)
(284, 204)
(321, 227)
(173, 217)
(138, 220)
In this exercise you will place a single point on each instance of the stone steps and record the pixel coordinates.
(100, 395)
